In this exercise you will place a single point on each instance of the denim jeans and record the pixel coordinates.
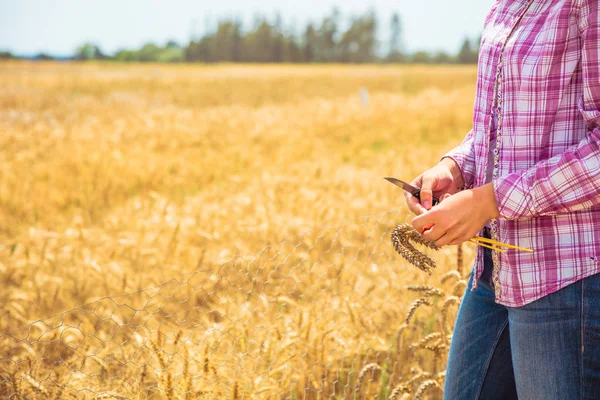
(545, 350)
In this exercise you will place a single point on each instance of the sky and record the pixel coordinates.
(59, 26)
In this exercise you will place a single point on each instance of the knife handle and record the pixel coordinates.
(434, 200)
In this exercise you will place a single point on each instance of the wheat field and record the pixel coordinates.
(187, 232)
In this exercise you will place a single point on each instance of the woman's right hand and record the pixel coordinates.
(444, 180)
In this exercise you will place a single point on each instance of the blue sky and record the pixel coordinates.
(58, 26)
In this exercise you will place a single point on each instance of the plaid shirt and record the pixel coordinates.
(544, 58)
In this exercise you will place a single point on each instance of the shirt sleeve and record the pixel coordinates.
(569, 181)
(464, 156)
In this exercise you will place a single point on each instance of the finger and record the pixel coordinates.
(423, 221)
(417, 182)
(461, 237)
(445, 240)
(457, 240)
(434, 234)
(428, 183)
(414, 205)
(444, 197)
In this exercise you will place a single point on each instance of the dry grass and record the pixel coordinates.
(118, 178)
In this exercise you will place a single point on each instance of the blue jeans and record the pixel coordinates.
(545, 350)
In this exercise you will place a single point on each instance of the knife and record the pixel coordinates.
(411, 189)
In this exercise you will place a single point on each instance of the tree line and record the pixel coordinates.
(331, 40)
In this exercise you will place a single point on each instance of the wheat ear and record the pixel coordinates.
(366, 369)
(402, 236)
(425, 386)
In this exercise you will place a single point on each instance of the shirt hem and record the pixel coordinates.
(554, 289)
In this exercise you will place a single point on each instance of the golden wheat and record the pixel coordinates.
(427, 291)
(370, 370)
(413, 308)
(228, 203)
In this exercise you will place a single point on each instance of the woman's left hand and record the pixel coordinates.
(458, 218)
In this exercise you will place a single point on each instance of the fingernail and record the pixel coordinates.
(427, 204)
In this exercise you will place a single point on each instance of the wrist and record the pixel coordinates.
(485, 196)
(455, 171)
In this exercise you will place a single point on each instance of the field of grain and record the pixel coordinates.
(188, 232)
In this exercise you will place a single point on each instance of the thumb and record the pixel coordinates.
(429, 182)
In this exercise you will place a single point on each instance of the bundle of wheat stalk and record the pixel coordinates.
(401, 239)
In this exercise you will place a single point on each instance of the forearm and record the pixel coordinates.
(565, 183)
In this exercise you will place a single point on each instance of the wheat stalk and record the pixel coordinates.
(373, 367)
(399, 390)
(427, 291)
(450, 275)
(425, 343)
(419, 375)
(424, 387)
(15, 386)
(157, 347)
(459, 288)
(459, 258)
(413, 308)
(450, 301)
(399, 332)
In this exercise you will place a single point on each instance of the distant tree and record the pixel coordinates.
(172, 44)
(277, 41)
(326, 40)
(127, 55)
(477, 47)
(421, 57)
(396, 53)
(293, 50)
(6, 55)
(236, 48)
(224, 44)
(258, 43)
(170, 55)
(89, 51)
(267, 41)
(309, 43)
(149, 52)
(467, 55)
(199, 51)
(43, 57)
(442, 57)
(359, 42)
(368, 38)
(191, 52)
(172, 52)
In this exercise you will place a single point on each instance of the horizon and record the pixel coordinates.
(58, 28)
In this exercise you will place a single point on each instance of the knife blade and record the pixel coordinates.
(416, 192)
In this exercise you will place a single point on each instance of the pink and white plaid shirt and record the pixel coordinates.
(545, 56)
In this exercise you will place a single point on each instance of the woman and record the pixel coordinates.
(527, 174)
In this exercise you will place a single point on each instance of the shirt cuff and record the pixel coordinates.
(514, 195)
(461, 157)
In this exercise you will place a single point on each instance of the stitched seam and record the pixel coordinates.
(581, 376)
(489, 360)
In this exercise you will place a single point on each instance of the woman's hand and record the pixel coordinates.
(458, 218)
(443, 179)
